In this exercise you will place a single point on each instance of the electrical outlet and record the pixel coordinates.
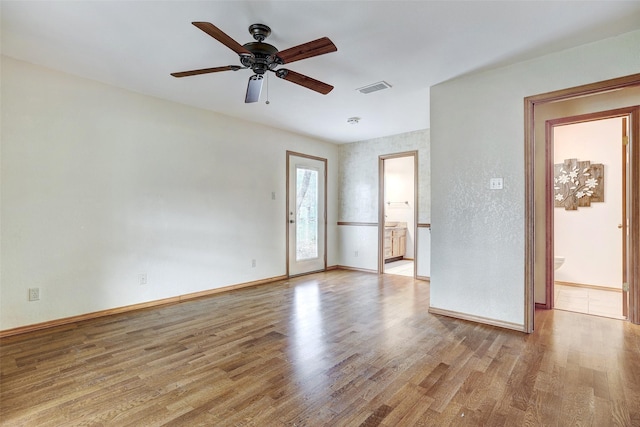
(142, 278)
(253, 263)
(273, 195)
(355, 254)
(34, 294)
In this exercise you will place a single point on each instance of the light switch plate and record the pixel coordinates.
(495, 183)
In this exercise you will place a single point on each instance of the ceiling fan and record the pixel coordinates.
(261, 57)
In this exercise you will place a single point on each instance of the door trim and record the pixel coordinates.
(625, 221)
(529, 166)
(549, 207)
(324, 214)
(381, 160)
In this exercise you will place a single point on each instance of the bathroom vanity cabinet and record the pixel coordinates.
(395, 243)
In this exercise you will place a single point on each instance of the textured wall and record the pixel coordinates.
(477, 132)
(358, 175)
(358, 192)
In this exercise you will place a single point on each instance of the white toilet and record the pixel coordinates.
(558, 261)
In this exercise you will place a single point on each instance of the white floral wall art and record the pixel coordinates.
(577, 184)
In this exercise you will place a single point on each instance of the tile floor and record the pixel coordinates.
(403, 268)
(590, 301)
(569, 298)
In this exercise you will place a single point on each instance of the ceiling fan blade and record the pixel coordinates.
(206, 71)
(305, 81)
(254, 87)
(307, 50)
(219, 35)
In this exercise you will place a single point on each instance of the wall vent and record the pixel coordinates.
(374, 87)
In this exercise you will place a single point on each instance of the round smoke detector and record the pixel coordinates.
(353, 120)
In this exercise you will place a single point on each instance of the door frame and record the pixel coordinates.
(624, 113)
(324, 213)
(381, 221)
(530, 192)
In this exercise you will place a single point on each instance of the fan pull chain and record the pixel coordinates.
(267, 102)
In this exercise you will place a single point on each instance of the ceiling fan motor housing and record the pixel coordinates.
(263, 58)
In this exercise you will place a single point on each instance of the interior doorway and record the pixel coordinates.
(398, 213)
(609, 94)
(587, 178)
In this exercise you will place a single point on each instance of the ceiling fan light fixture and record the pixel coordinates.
(254, 88)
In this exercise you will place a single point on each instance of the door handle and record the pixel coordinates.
(619, 225)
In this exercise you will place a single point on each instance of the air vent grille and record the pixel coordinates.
(374, 87)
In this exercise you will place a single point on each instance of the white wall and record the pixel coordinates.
(358, 195)
(588, 238)
(424, 252)
(358, 246)
(100, 184)
(477, 132)
(399, 187)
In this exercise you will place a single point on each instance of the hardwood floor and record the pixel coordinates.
(337, 349)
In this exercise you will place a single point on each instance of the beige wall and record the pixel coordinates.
(100, 184)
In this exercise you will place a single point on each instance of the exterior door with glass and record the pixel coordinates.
(306, 214)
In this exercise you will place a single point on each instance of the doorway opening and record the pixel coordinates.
(398, 178)
(306, 214)
(587, 182)
(539, 262)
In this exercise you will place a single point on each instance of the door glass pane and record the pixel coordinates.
(306, 213)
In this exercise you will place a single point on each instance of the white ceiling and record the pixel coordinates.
(412, 45)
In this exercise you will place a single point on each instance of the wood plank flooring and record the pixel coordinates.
(340, 348)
